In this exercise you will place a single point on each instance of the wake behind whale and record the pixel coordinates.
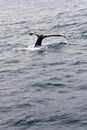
(41, 48)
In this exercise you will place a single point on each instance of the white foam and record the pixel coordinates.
(33, 48)
(30, 48)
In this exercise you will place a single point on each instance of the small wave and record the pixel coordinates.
(69, 119)
(24, 105)
(79, 63)
(43, 85)
(80, 71)
(5, 71)
(57, 63)
(63, 119)
(56, 84)
(5, 109)
(84, 47)
(84, 36)
(84, 31)
(6, 37)
(65, 25)
(11, 61)
(21, 22)
(26, 123)
(84, 124)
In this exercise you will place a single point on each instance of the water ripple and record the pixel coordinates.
(47, 85)
(43, 89)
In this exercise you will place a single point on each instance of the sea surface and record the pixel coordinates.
(43, 88)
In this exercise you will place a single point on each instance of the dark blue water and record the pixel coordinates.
(43, 89)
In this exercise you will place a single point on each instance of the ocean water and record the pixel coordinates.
(43, 88)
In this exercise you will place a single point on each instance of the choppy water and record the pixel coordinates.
(43, 89)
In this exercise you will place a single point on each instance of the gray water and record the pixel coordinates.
(43, 89)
